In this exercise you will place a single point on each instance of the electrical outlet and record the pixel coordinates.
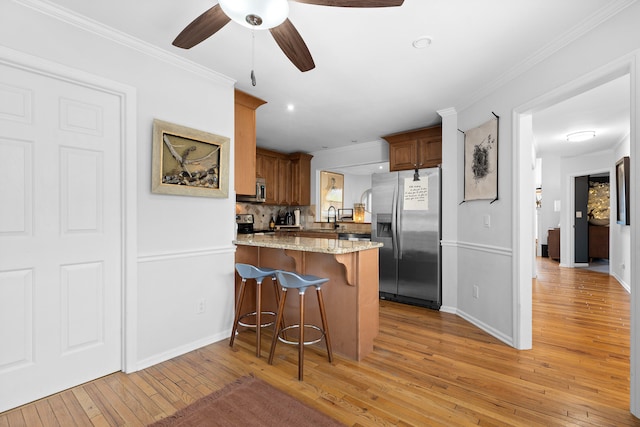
(201, 306)
(476, 291)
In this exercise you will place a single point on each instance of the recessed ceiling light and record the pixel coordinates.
(422, 42)
(581, 136)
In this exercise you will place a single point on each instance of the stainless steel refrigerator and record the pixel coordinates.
(406, 219)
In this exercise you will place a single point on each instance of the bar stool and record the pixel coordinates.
(289, 280)
(247, 272)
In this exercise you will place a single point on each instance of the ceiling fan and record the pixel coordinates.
(262, 15)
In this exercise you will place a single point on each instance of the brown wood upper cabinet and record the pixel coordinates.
(245, 142)
(288, 177)
(415, 149)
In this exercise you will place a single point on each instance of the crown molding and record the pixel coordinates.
(445, 112)
(87, 24)
(353, 147)
(574, 33)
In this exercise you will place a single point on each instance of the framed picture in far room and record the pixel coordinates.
(331, 194)
(622, 191)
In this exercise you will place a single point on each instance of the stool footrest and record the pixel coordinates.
(253, 325)
(286, 341)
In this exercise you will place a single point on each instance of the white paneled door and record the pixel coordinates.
(60, 235)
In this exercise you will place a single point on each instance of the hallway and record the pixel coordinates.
(582, 317)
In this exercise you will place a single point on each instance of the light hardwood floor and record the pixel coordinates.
(428, 368)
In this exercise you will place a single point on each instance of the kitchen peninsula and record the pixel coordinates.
(351, 295)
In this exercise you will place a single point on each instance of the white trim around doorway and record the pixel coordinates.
(523, 231)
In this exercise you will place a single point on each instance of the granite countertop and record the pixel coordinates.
(305, 244)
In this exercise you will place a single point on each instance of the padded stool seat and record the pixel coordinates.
(289, 280)
(248, 272)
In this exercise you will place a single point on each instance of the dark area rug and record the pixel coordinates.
(248, 401)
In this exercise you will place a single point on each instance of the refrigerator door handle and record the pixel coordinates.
(398, 221)
(394, 218)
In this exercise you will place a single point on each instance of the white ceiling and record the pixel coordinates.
(369, 81)
(605, 109)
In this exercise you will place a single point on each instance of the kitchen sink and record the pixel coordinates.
(354, 236)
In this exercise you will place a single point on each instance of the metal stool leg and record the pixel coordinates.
(237, 315)
(325, 324)
(258, 315)
(301, 337)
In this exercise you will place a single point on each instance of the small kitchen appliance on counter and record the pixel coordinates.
(245, 225)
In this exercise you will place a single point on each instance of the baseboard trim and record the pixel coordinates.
(488, 329)
(163, 256)
(178, 351)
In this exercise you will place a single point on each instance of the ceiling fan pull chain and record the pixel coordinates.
(253, 57)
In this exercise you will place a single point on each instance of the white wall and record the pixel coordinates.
(550, 192)
(184, 243)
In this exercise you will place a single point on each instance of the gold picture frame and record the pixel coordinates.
(189, 162)
(331, 194)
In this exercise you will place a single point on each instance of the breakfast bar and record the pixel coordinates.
(351, 295)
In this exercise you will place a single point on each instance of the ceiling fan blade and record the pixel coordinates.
(293, 46)
(203, 27)
(354, 3)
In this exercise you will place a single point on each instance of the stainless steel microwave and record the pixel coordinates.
(261, 193)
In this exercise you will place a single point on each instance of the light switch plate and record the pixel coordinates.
(487, 220)
(578, 214)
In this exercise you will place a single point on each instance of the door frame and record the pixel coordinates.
(128, 187)
(567, 220)
(522, 229)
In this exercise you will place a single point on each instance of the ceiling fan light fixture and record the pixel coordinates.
(581, 136)
(256, 14)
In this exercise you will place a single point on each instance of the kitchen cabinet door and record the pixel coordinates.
(300, 179)
(268, 169)
(284, 181)
(429, 151)
(403, 155)
(288, 177)
(245, 142)
(415, 149)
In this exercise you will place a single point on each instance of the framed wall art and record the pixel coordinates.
(623, 210)
(331, 194)
(189, 162)
(481, 162)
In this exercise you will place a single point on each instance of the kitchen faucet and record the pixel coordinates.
(335, 216)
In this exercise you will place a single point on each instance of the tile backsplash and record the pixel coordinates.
(262, 213)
